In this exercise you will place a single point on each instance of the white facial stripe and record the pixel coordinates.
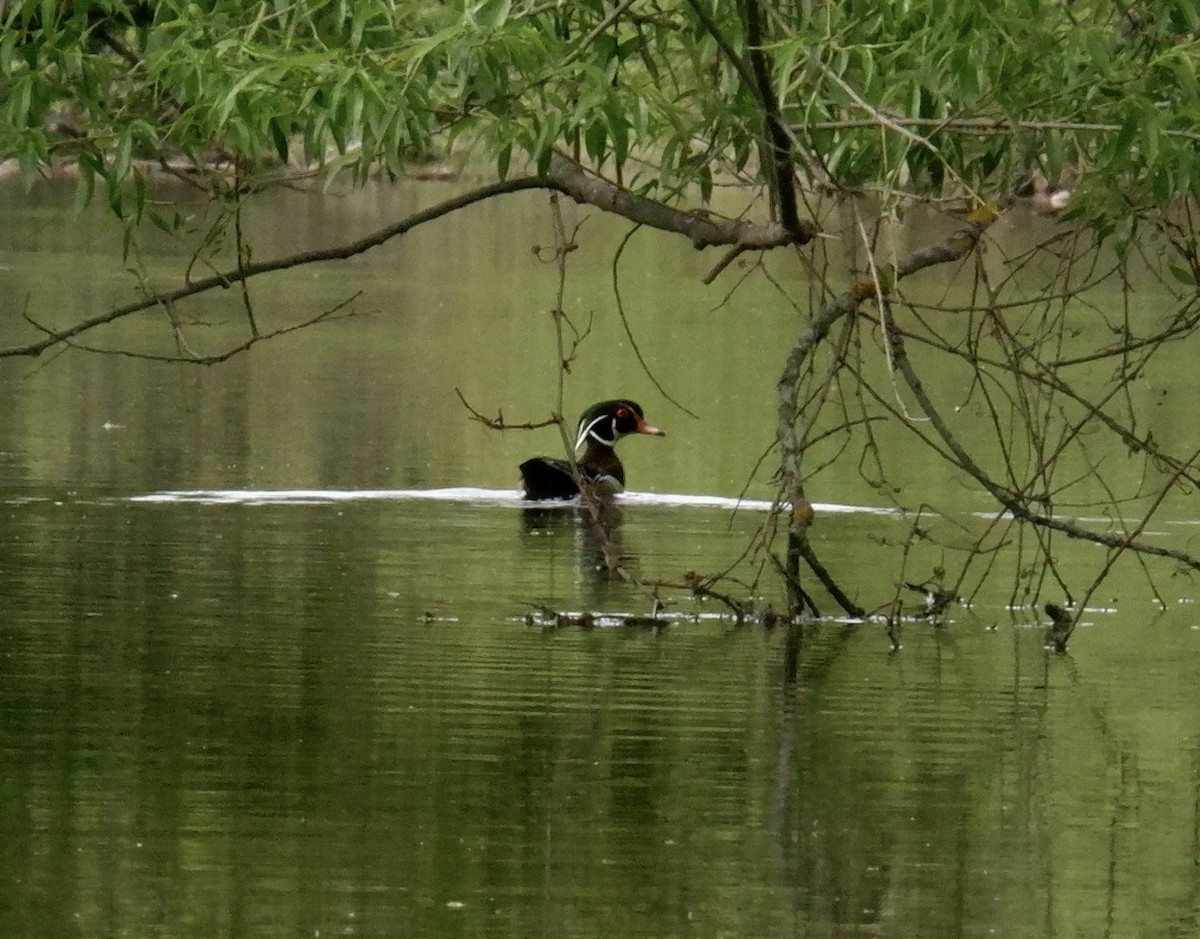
(590, 431)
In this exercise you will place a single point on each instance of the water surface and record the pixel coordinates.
(273, 660)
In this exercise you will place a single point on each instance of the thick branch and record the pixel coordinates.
(755, 75)
(703, 230)
(783, 178)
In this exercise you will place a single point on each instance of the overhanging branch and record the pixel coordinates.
(563, 175)
(1006, 497)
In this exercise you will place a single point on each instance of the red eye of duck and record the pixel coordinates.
(622, 413)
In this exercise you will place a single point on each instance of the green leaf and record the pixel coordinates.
(416, 52)
(1162, 186)
(1182, 274)
(493, 13)
(85, 186)
(21, 103)
(169, 225)
(1055, 154)
(124, 156)
(30, 166)
(1184, 69)
(618, 129)
(230, 99)
(1099, 48)
(278, 138)
(595, 138)
(1123, 232)
(669, 160)
(1150, 127)
(8, 44)
(1126, 135)
(354, 108)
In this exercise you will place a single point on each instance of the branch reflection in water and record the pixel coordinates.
(597, 537)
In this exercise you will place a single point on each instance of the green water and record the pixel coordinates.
(332, 717)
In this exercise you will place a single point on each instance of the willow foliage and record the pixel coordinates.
(929, 99)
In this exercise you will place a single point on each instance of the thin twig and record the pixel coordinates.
(498, 422)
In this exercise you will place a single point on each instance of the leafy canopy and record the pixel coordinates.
(926, 97)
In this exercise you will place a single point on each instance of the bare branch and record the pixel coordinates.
(191, 358)
(499, 423)
(953, 248)
(563, 175)
(1011, 500)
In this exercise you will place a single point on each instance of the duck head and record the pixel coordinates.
(607, 422)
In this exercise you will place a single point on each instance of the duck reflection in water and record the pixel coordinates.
(596, 527)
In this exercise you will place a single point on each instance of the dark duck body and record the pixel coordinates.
(600, 427)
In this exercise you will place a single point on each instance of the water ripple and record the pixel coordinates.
(504, 497)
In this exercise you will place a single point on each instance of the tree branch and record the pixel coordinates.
(958, 245)
(193, 358)
(499, 423)
(703, 230)
(782, 176)
(563, 175)
(1006, 497)
(755, 75)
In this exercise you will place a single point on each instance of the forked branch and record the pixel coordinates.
(953, 248)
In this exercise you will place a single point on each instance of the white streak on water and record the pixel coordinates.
(503, 497)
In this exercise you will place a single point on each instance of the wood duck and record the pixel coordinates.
(600, 427)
